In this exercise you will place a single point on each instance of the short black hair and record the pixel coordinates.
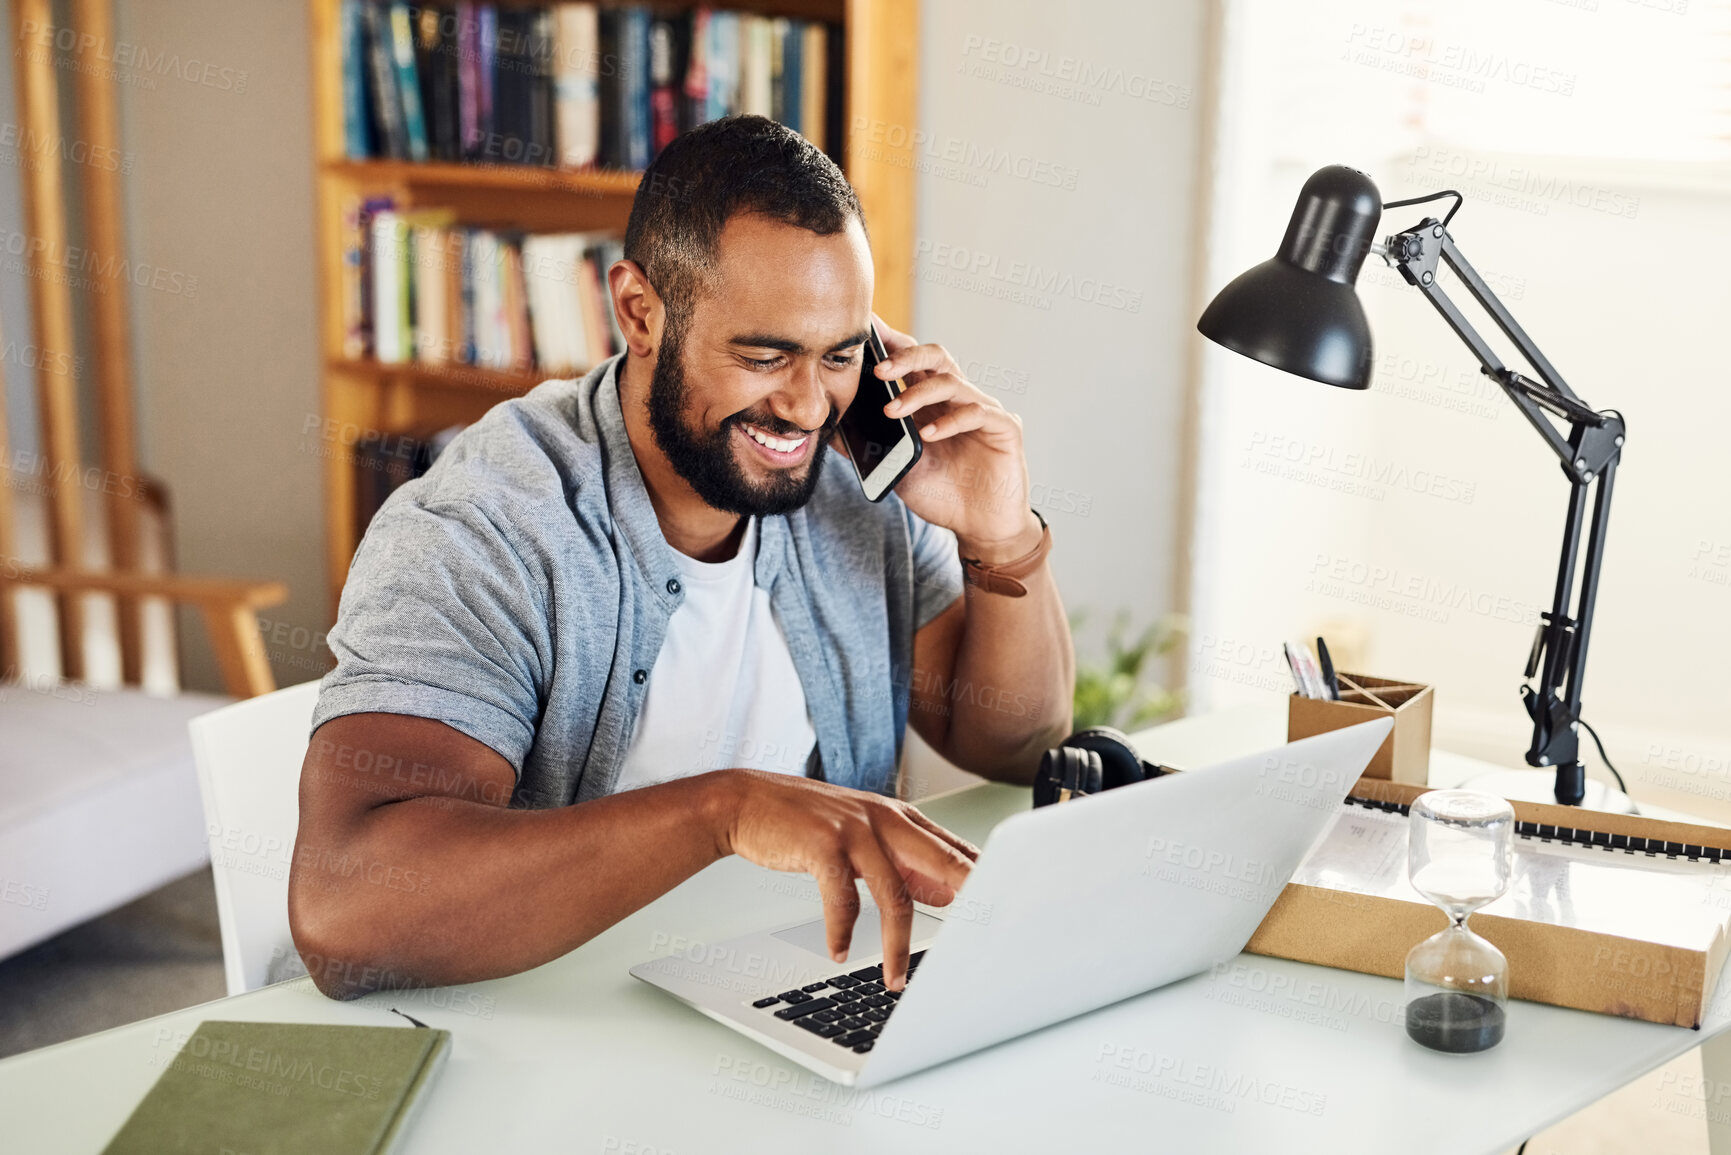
(718, 170)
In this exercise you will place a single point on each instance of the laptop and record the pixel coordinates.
(1069, 908)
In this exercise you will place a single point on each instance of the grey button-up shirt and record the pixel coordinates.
(520, 592)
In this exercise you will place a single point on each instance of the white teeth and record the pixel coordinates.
(780, 445)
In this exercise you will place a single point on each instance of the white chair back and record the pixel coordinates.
(249, 767)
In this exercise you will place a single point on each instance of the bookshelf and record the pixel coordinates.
(879, 85)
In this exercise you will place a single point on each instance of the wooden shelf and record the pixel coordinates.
(504, 177)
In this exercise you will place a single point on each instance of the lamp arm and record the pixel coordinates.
(1589, 455)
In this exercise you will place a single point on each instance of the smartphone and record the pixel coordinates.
(881, 448)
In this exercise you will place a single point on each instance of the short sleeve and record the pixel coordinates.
(937, 568)
(440, 618)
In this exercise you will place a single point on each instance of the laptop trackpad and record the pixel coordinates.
(867, 940)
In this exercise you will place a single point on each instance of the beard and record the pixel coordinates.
(706, 459)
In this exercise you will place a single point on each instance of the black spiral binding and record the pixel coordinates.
(1628, 843)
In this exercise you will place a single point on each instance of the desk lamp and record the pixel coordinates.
(1299, 312)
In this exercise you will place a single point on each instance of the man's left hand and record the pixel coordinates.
(972, 476)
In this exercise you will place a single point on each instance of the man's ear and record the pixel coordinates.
(637, 307)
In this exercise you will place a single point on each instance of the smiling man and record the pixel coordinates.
(628, 625)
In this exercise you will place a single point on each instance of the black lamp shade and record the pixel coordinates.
(1298, 311)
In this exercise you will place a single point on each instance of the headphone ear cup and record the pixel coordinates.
(1090, 772)
(1119, 763)
(1067, 772)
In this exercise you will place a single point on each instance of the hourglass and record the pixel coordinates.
(1459, 856)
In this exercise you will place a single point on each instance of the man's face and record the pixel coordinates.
(745, 399)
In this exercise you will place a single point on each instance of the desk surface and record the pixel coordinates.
(1262, 1055)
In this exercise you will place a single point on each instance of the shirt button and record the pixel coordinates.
(673, 585)
(640, 677)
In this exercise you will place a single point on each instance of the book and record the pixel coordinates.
(385, 98)
(694, 84)
(486, 67)
(576, 84)
(542, 130)
(463, 301)
(634, 65)
(550, 277)
(663, 80)
(468, 23)
(513, 84)
(834, 101)
(408, 80)
(486, 309)
(614, 127)
(390, 278)
(357, 126)
(777, 69)
(430, 293)
(338, 1090)
(755, 65)
(514, 304)
(436, 63)
(722, 59)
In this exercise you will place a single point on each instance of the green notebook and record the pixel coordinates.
(285, 1089)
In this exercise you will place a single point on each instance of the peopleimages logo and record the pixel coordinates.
(125, 61)
(1068, 76)
(983, 160)
(1024, 275)
(1537, 186)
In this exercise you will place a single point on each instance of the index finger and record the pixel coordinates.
(895, 907)
(913, 359)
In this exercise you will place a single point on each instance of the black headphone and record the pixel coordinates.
(1089, 761)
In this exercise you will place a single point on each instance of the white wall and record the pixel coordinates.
(1611, 266)
(1065, 292)
(222, 191)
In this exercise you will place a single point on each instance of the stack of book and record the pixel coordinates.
(420, 287)
(573, 85)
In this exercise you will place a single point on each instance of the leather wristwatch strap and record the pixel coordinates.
(1003, 577)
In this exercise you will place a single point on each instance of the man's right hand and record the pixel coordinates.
(837, 835)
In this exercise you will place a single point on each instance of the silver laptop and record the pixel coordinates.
(1148, 884)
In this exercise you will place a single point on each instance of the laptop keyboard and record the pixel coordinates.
(849, 1010)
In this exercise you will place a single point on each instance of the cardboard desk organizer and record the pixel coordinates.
(1612, 913)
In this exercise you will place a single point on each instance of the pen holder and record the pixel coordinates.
(1404, 755)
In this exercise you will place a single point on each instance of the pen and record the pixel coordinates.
(1297, 673)
(1329, 681)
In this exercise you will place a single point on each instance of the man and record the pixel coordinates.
(631, 624)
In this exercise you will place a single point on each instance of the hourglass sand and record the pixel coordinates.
(1459, 856)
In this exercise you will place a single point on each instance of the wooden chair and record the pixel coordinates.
(99, 798)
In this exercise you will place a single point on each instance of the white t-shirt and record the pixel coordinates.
(723, 691)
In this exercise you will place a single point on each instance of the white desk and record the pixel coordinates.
(578, 1056)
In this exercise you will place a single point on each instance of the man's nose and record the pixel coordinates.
(802, 400)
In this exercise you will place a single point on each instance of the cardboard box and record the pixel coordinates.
(1563, 966)
(1405, 754)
